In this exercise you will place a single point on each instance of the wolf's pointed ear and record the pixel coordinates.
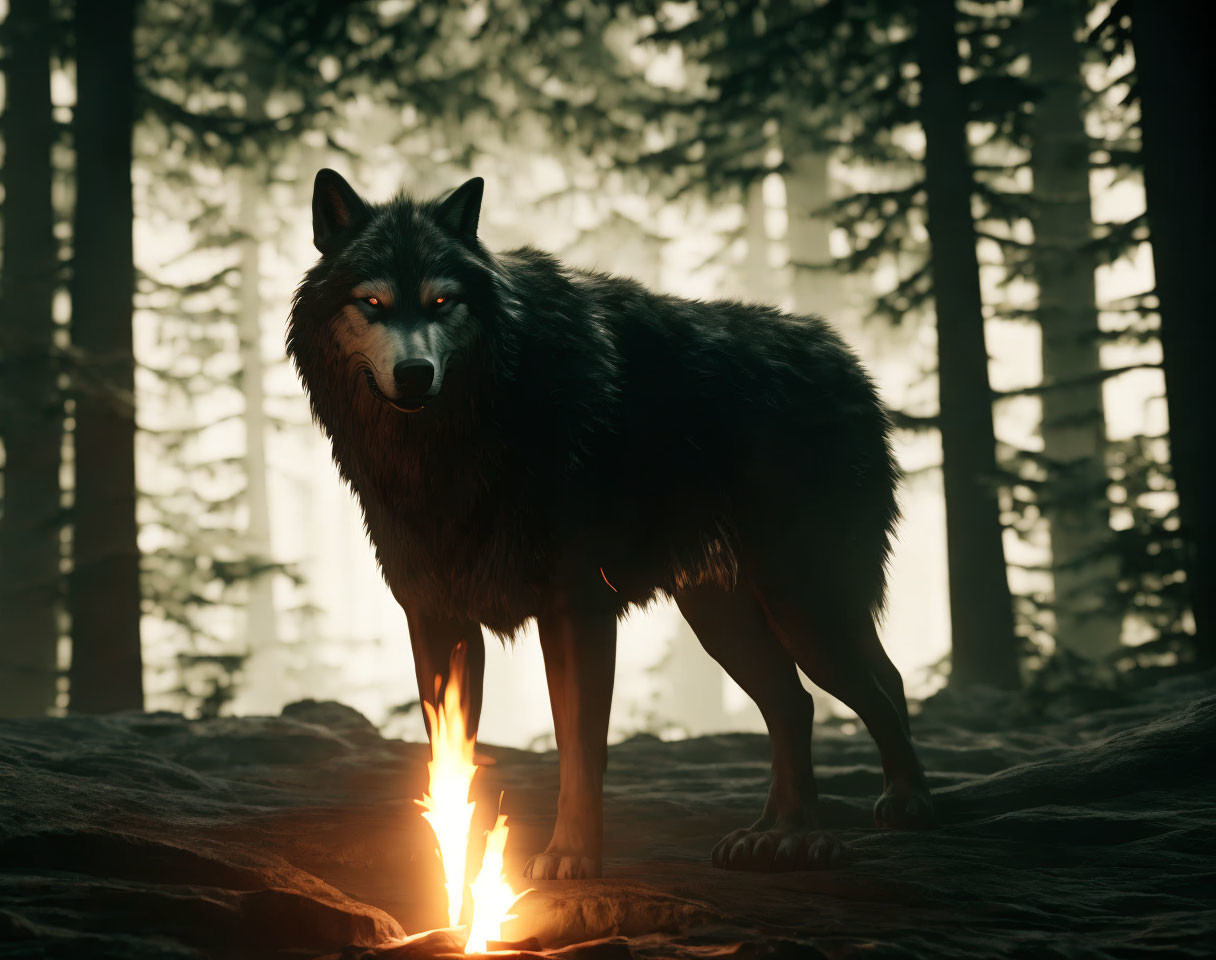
(335, 208)
(461, 209)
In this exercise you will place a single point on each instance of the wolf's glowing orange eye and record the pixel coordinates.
(439, 301)
(372, 301)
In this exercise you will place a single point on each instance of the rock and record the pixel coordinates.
(338, 717)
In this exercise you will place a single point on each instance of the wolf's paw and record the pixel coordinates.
(556, 865)
(778, 849)
(904, 806)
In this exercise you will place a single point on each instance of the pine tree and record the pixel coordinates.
(264, 666)
(31, 407)
(104, 595)
(1064, 264)
(981, 617)
(1173, 60)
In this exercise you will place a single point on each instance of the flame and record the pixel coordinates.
(446, 802)
(492, 895)
(448, 810)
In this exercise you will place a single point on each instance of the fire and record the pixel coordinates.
(448, 810)
(446, 802)
(492, 895)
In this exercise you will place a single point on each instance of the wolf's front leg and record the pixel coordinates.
(439, 645)
(580, 656)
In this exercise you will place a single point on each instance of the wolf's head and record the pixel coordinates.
(398, 287)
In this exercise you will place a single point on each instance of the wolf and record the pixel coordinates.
(532, 440)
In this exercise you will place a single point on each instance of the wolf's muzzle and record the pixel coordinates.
(414, 377)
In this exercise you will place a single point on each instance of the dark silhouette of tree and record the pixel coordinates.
(981, 617)
(104, 594)
(1174, 66)
(31, 407)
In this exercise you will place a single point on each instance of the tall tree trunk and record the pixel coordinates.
(106, 671)
(31, 410)
(263, 674)
(1174, 67)
(981, 610)
(1074, 424)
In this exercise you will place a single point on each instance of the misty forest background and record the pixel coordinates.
(1002, 205)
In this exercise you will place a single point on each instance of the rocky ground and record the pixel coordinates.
(1086, 833)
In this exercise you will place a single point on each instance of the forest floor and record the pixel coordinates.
(1087, 830)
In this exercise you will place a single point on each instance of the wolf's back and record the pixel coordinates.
(705, 421)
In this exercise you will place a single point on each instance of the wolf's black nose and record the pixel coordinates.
(414, 376)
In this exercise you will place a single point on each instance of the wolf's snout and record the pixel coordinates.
(414, 376)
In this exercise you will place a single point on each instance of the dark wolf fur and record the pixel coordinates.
(593, 444)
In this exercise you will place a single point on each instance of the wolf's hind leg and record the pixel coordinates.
(835, 649)
(885, 672)
(732, 628)
(580, 656)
